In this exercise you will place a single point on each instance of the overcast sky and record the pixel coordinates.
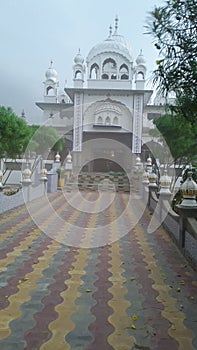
(32, 32)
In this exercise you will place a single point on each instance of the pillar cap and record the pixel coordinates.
(189, 192)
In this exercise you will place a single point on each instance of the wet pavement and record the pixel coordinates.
(82, 279)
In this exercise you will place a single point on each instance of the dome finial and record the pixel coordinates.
(116, 24)
(110, 31)
(23, 114)
(140, 59)
(78, 58)
(51, 72)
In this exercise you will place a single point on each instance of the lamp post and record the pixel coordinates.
(165, 182)
(189, 192)
(69, 165)
(26, 182)
(43, 178)
(1, 178)
(145, 179)
(149, 165)
(57, 158)
(138, 161)
(1, 187)
(145, 182)
(188, 207)
(152, 186)
(164, 192)
(152, 180)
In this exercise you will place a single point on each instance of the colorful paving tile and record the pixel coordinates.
(135, 292)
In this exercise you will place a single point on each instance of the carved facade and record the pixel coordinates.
(108, 101)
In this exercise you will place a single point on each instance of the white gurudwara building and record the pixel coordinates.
(104, 116)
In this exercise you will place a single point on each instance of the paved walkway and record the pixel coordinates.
(135, 291)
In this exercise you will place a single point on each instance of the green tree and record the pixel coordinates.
(173, 27)
(43, 138)
(14, 133)
(180, 138)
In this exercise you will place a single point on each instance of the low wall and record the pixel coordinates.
(21, 197)
(183, 230)
(10, 202)
(27, 193)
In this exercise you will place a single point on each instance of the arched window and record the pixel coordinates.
(124, 77)
(109, 64)
(107, 121)
(105, 76)
(100, 120)
(124, 68)
(78, 74)
(110, 68)
(115, 121)
(50, 91)
(94, 71)
(140, 75)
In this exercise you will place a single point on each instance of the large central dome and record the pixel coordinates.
(111, 60)
(114, 44)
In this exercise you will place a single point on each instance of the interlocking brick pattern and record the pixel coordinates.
(135, 293)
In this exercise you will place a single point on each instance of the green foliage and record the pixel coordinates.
(181, 137)
(14, 133)
(44, 138)
(16, 137)
(58, 145)
(173, 27)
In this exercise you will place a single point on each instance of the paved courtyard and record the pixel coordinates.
(76, 275)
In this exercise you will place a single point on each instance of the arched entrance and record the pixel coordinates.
(154, 150)
(107, 152)
(103, 165)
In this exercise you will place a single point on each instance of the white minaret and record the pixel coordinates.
(78, 70)
(140, 73)
(50, 85)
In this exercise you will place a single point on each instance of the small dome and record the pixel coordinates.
(152, 179)
(78, 58)
(43, 174)
(189, 187)
(165, 182)
(69, 158)
(149, 161)
(138, 160)
(51, 73)
(140, 59)
(57, 157)
(145, 177)
(26, 173)
(26, 176)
